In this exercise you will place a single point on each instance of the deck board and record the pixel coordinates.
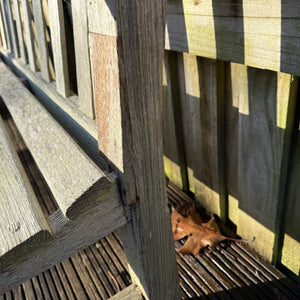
(231, 271)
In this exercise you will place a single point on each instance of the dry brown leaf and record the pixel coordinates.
(186, 222)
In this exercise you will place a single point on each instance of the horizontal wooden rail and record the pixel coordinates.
(88, 200)
(260, 34)
(22, 224)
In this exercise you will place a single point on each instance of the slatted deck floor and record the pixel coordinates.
(232, 271)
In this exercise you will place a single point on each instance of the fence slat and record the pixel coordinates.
(12, 29)
(58, 38)
(258, 106)
(29, 35)
(6, 28)
(83, 67)
(41, 39)
(20, 32)
(2, 30)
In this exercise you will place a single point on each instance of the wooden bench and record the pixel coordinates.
(89, 205)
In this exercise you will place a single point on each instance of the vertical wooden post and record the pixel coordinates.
(59, 47)
(6, 28)
(29, 35)
(20, 32)
(149, 248)
(41, 38)
(127, 45)
(2, 29)
(12, 30)
(83, 66)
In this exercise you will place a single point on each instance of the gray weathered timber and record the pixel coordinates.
(6, 28)
(58, 40)
(199, 100)
(256, 140)
(152, 263)
(83, 66)
(73, 178)
(2, 30)
(261, 34)
(12, 30)
(290, 256)
(102, 17)
(22, 224)
(107, 97)
(20, 31)
(172, 159)
(41, 38)
(132, 292)
(48, 91)
(74, 236)
(29, 35)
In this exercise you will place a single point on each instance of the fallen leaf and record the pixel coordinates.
(186, 222)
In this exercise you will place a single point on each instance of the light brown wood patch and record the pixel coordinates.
(105, 72)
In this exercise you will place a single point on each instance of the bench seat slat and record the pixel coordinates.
(75, 181)
(22, 224)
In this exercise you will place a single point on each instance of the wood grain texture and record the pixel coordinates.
(6, 26)
(105, 67)
(199, 96)
(41, 39)
(261, 34)
(73, 178)
(48, 90)
(21, 43)
(75, 235)
(256, 129)
(290, 256)
(12, 29)
(2, 30)
(22, 224)
(102, 17)
(29, 35)
(83, 65)
(172, 159)
(152, 263)
(58, 39)
(132, 292)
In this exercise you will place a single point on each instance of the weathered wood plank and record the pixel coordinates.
(152, 259)
(58, 40)
(41, 39)
(74, 236)
(107, 96)
(47, 91)
(73, 178)
(83, 66)
(2, 30)
(290, 256)
(6, 27)
(12, 29)
(261, 34)
(20, 32)
(102, 17)
(199, 89)
(256, 131)
(22, 224)
(29, 35)
(132, 292)
(173, 162)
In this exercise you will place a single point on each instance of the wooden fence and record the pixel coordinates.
(230, 100)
